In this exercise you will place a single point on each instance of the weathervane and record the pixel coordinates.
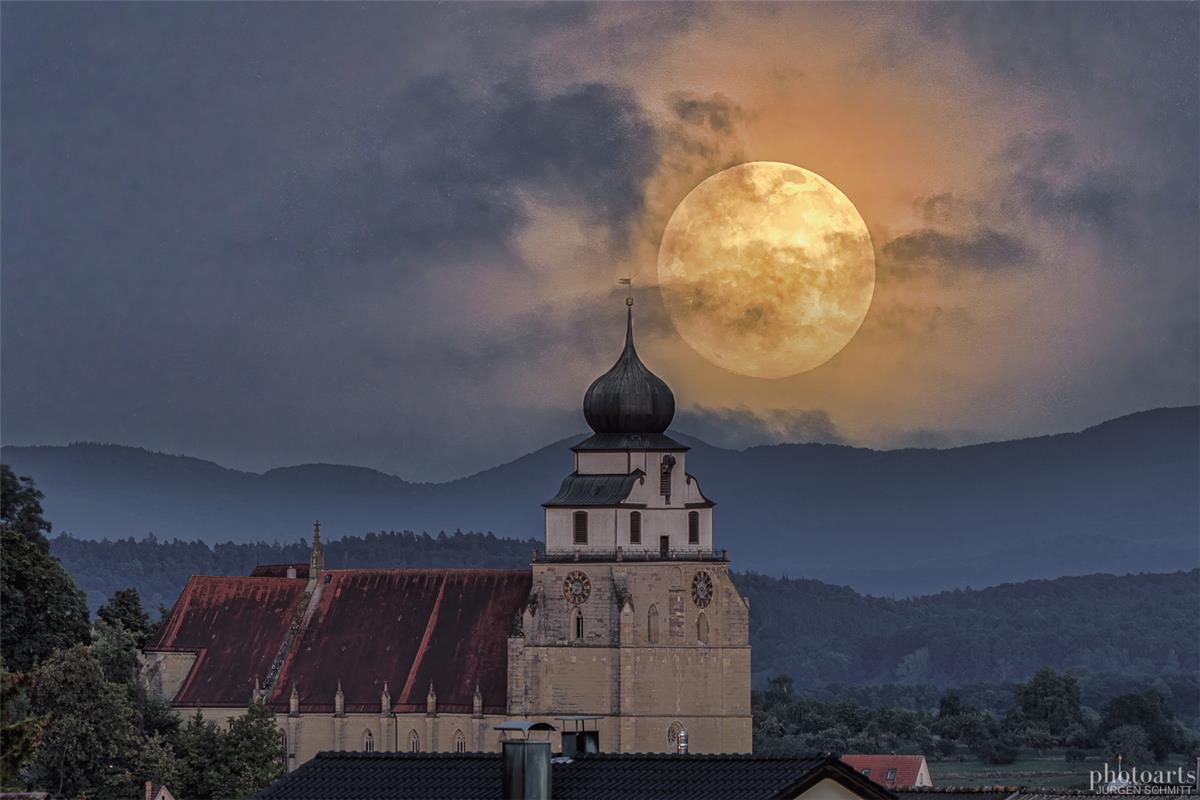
(627, 282)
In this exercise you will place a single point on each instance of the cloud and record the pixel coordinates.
(717, 112)
(744, 427)
(984, 248)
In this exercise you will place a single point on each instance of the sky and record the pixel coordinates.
(390, 234)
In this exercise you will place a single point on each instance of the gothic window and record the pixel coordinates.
(693, 527)
(635, 527)
(673, 735)
(581, 527)
(368, 742)
(414, 742)
(576, 625)
(460, 742)
(283, 740)
(702, 629)
(652, 625)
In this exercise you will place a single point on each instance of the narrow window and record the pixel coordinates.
(652, 625)
(580, 527)
(664, 477)
(460, 742)
(577, 625)
(693, 527)
(891, 774)
(414, 742)
(635, 527)
(368, 742)
(702, 629)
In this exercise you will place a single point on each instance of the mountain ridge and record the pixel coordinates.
(1121, 495)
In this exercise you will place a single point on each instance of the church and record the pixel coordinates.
(627, 625)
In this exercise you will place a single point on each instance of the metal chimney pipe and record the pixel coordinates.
(526, 770)
(683, 747)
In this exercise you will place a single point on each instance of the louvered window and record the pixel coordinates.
(635, 527)
(693, 527)
(581, 527)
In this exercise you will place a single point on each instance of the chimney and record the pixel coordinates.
(526, 761)
(291, 571)
(149, 790)
(683, 746)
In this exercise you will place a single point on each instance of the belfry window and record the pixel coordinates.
(368, 742)
(581, 520)
(414, 742)
(635, 527)
(664, 476)
(693, 527)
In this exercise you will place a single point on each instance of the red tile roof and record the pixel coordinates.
(362, 627)
(907, 768)
(236, 625)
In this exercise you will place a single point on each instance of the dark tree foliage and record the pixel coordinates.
(42, 608)
(124, 609)
(21, 506)
(1051, 701)
(18, 728)
(1148, 712)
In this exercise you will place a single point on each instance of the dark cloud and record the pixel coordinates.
(717, 112)
(984, 248)
(742, 427)
(1048, 180)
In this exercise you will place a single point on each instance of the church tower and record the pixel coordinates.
(633, 618)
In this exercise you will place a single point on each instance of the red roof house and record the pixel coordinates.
(892, 771)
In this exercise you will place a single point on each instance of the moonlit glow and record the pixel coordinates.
(766, 269)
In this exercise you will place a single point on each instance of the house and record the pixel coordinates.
(594, 776)
(892, 771)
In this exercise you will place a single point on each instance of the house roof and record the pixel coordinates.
(235, 626)
(907, 768)
(598, 776)
(594, 490)
(408, 627)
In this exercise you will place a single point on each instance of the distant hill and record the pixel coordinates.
(1121, 497)
(1120, 631)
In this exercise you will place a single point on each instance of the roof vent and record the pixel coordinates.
(683, 745)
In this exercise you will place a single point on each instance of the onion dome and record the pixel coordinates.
(629, 398)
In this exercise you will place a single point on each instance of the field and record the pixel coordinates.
(1049, 770)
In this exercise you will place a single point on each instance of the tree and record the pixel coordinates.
(1128, 742)
(18, 728)
(21, 507)
(1049, 701)
(124, 608)
(89, 741)
(43, 609)
(1150, 713)
(253, 751)
(200, 754)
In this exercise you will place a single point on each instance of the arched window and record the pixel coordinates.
(673, 736)
(702, 629)
(414, 742)
(283, 740)
(693, 527)
(635, 527)
(368, 742)
(652, 625)
(460, 742)
(581, 527)
(576, 624)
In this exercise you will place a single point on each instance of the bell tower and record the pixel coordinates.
(633, 618)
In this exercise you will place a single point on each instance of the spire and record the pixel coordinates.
(294, 701)
(339, 701)
(431, 700)
(477, 702)
(385, 701)
(629, 398)
(316, 558)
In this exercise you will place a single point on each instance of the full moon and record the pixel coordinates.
(766, 269)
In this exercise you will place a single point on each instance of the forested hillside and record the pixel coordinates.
(1119, 497)
(821, 635)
